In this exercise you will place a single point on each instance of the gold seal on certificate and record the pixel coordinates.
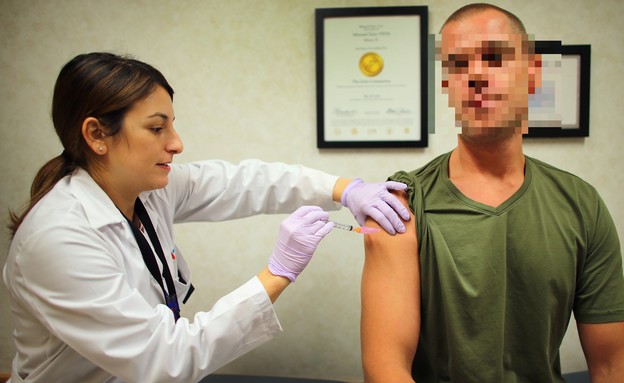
(371, 64)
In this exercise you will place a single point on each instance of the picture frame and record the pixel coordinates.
(371, 77)
(560, 107)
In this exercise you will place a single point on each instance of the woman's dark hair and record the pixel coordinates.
(100, 85)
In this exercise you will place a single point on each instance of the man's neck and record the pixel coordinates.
(488, 172)
(498, 159)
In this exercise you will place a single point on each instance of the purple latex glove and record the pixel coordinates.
(374, 200)
(299, 235)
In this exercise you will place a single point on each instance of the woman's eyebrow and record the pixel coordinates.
(158, 114)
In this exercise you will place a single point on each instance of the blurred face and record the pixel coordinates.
(487, 75)
(139, 156)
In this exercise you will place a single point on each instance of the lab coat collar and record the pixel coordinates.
(145, 198)
(99, 208)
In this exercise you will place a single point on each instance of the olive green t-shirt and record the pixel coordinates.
(499, 284)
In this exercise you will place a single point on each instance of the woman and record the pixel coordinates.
(94, 276)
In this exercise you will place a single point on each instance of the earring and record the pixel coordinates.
(100, 148)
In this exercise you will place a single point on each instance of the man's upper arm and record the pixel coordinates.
(390, 303)
(603, 345)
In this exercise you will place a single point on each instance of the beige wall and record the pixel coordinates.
(244, 73)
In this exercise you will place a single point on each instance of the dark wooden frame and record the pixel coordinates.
(584, 53)
(320, 16)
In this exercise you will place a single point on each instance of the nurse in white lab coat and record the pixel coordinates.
(94, 276)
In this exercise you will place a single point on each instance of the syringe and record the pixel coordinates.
(361, 230)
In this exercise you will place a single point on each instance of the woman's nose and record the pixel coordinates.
(175, 143)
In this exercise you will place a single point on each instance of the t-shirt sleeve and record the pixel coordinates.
(415, 198)
(599, 294)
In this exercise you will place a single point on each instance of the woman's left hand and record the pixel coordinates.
(375, 200)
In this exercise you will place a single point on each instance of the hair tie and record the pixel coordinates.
(67, 157)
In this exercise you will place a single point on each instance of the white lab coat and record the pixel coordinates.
(86, 309)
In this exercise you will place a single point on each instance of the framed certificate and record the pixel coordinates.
(371, 77)
(560, 107)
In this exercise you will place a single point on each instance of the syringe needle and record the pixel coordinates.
(361, 230)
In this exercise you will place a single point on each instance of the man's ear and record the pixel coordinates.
(93, 134)
(535, 72)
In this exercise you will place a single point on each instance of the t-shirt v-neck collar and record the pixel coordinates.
(483, 207)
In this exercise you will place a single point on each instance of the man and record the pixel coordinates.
(502, 248)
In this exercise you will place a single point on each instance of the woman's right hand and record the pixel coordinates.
(299, 235)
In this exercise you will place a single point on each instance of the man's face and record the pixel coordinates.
(487, 75)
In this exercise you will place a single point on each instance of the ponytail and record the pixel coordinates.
(49, 174)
